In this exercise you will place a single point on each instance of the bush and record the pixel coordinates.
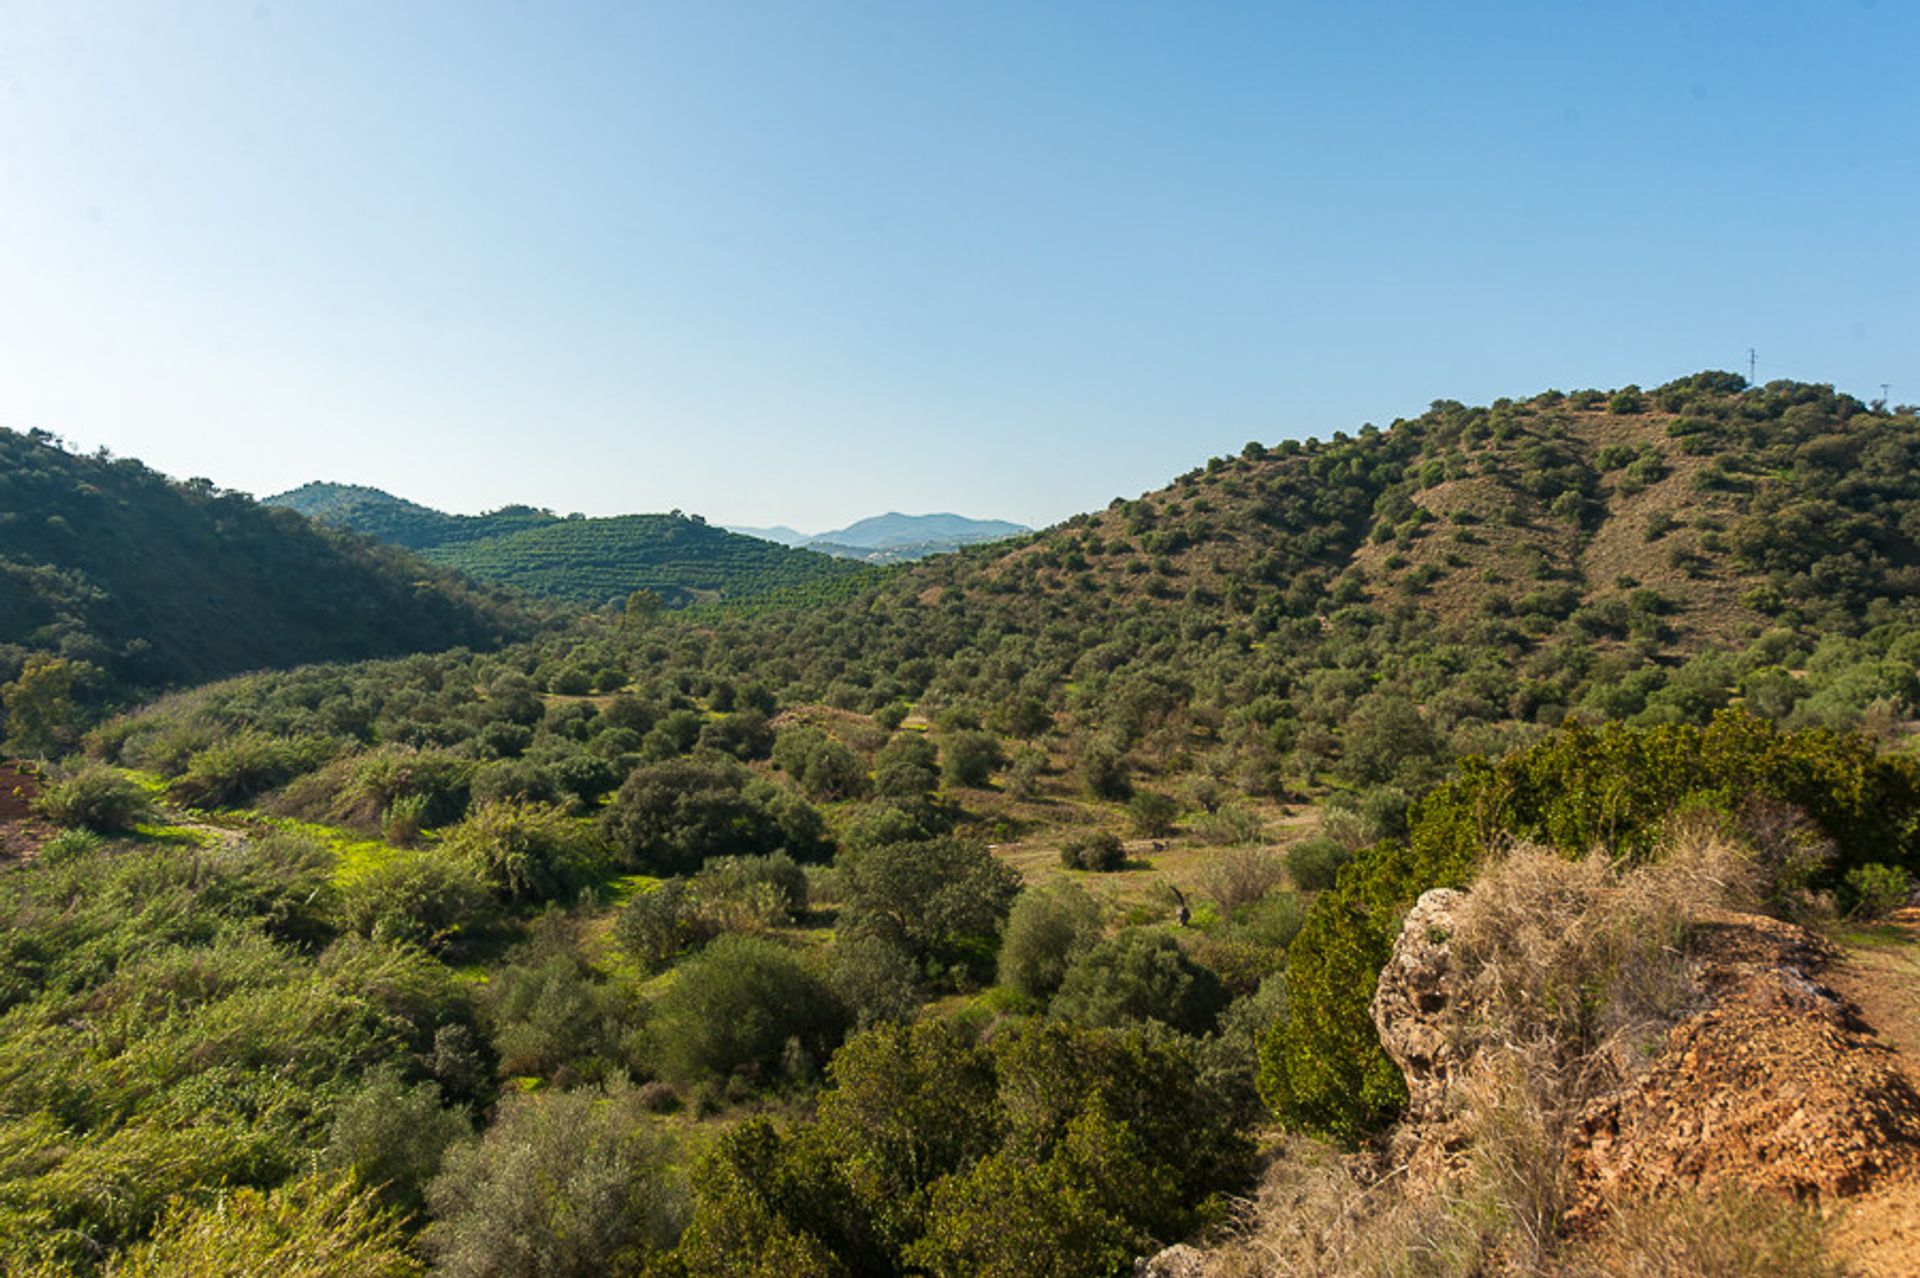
(1046, 931)
(943, 901)
(661, 923)
(1877, 890)
(735, 1005)
(1099, 850)
(526, 851)
(969, 758)
(95, 798)
(876, 981)
(1227, 826)
(563, 1185)
(246, 764)
(392, 1136)
(773, 887)
(1153, 814)
(421, 898)
(1104, 771)
(672, 817)
(1313, 864)
(1240, 877)
(549, 1012)
(1140, 976)
(316, 1227)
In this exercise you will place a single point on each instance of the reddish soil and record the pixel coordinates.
(21, 832)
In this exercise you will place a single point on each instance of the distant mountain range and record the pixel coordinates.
(893, 537)
(679, 557)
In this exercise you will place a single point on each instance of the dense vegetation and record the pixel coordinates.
(759, 997)
(680, 559)
(133, 581)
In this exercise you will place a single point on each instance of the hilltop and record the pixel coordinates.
(680, 558)
(893, 537)
(154, 582)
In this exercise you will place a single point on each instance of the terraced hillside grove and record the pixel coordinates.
(681, 559)
(151, 582)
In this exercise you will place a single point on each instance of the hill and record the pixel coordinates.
(159, 583)
(1366, 608)
(395, 520)
(1266, 687)
(894, 538)
(894, 530)
(682, 559)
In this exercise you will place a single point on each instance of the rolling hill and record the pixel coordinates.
(1262, 685)
(161, 583)
(682, 559)
(894, 538)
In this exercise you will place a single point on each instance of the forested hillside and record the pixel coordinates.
(681, 559)
(971, 919)
(142, 582)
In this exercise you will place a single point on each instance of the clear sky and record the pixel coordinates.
(805, 261)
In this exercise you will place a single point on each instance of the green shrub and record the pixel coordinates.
(1877, 890)
(943, 901)
(876, 981)
(1238, 878)
(1228, 826)
(672, 817)
(1314, 863)
(95, 798)
(735, 1005)
(527, 851)
(422, 898)
(393, 1136)
(1153, 814)
(1104, 770)
(1046, 931)
(563, 1185)
(246, 764)
(1099, 850)
(1138, 976)
(661, 923)
(316, 1227)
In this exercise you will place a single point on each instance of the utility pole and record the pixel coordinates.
(1884, 388)
(1750, 359)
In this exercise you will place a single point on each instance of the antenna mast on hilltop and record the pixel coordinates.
(1750, 359)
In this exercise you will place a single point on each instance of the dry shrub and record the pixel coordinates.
(1317, 1213)
(1580, 957)
(1242, 876)
(1789, 852)
(1734, 1234)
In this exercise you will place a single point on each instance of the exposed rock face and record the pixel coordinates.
(1417, 1006)
(1778, 1086)
(1179, 1261)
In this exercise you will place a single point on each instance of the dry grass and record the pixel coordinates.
(1730, 1235)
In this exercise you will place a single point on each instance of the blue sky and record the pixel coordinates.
(802, 262)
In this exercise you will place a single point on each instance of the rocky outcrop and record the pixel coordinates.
(1778, 1086)
(1419, 1011)
(1774, 1085)
(1179, 1261)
